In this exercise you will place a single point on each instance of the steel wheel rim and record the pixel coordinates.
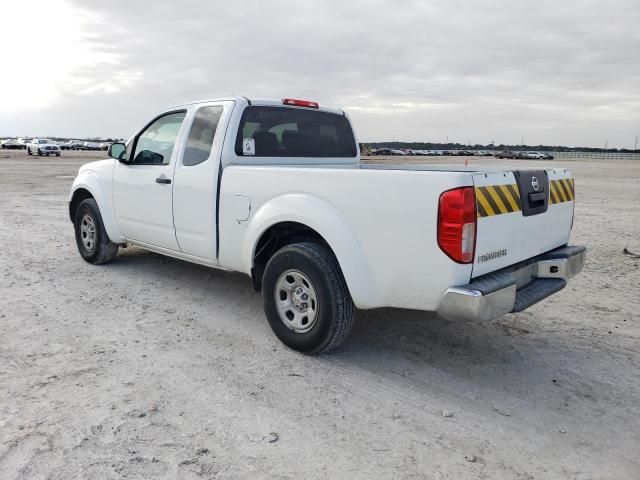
(296, 301)
(88, 232)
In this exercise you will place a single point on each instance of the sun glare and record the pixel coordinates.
(45, 45)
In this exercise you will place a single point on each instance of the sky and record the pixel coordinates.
(477, 71)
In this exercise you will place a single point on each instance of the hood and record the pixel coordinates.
(97, 166)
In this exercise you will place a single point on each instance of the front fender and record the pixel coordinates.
(325, 219)
(90, 181)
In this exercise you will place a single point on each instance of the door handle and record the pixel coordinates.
(164, 180)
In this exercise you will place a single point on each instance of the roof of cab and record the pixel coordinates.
(269, 102)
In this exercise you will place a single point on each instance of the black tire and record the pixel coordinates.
(335, 309)
(29, 152)
(101, 249)
(57, 154)
(39, 152)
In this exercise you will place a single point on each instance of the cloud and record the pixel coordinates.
(546, 71)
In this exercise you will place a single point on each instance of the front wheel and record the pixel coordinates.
(306, 298)
(29, 152)
(39, 152)
(91, 237)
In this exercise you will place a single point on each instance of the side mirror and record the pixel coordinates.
(118, 151)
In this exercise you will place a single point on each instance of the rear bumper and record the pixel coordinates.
(514, 288)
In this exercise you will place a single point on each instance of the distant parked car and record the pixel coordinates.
(43, 146)
(92, 146)
(381, 151)
(547, 156)
(75, 145)
(399, 152)
(10, 144)
(23, 142)
(506, 154)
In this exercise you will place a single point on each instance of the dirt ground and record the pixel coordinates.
(155, 368)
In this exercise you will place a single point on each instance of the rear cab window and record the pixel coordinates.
(271, 131)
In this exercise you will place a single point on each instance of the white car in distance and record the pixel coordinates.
(43, 146)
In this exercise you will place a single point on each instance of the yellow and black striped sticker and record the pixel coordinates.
(561, 191)
(497, 199)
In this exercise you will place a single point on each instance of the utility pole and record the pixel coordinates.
(635, 146)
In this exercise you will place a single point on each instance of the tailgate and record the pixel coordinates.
(521, 214)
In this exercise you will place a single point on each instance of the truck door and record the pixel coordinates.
(196, 180)
(142, 190)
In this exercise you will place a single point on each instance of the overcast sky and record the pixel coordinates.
(549, 72)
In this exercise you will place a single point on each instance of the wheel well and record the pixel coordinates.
(276, 237)
(78, 197)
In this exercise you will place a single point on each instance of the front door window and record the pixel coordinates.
(155, 145)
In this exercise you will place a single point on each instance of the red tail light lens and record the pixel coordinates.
(299, 103)
(457, 224)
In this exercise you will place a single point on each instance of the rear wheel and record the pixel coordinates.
(29, 152)
(91, 237)
(306, 298)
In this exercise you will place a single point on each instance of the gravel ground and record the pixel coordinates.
(155, 368)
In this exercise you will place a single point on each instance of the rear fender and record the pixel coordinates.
(325, 219)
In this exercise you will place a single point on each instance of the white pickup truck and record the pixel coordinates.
(275, 189)
(43, 146)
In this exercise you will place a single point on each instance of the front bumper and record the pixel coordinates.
(514, 288)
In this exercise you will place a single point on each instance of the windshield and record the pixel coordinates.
(44, 140)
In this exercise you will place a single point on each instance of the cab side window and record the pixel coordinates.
(155, 144)
(200, 139)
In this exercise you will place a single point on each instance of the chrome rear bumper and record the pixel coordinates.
(514, 288)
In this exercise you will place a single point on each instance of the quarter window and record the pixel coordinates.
(155, 145)
(200, 139)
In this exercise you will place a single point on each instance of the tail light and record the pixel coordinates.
(457, 224)
(299, 103)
